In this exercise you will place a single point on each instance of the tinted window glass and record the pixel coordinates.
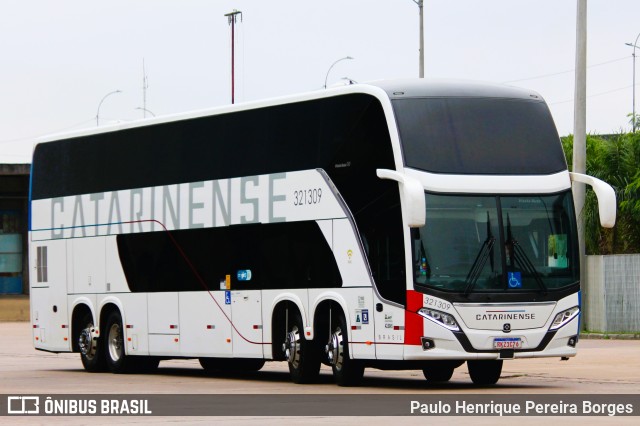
(478, 136)
(463, 249)
(285, 255)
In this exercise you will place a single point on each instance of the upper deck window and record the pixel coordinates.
(494, 136)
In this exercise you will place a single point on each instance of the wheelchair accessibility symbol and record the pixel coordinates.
(515, 279)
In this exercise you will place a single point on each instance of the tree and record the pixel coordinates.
(616, 160)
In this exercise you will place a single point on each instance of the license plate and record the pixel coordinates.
(507, 343)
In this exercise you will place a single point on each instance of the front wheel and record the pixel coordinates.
(485, 372)
(440, 371)
(346, 371)
(439, 375)
(301, 354)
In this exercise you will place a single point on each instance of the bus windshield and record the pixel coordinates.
(478, 136)
(497, 243)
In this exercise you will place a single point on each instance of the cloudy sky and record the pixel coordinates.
(58, 59)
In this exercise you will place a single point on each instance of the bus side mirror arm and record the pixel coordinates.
(412, 193)
(606, 198)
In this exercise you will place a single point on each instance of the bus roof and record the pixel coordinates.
(394, 89)
(403, 88)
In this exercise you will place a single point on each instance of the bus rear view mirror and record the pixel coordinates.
(412, 196)
(606, 198)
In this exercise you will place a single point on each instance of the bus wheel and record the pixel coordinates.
(440, 371)
(438, 375)
(90, 345)
(346, 371)
(485, 372)
(301, 354)
(117, 361)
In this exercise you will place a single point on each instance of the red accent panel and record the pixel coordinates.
(413, 323)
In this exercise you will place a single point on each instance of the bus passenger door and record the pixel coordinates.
(389, 330)
(246, 315)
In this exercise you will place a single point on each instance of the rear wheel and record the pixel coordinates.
(346, 371)
(91, 346)
(301, 354)
(117, 361)
(485, 372)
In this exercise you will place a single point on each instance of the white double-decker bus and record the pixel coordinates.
(395, 225)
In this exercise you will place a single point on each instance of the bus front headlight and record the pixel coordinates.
(564, 317)
(443, 319)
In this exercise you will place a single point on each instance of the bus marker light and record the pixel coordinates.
(128, 339)
(129, 326)
(65, 339)
(211, 327)
(175, 340)
(228, 340)
(368, 343)
(64, 326)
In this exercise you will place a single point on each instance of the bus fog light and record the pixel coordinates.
(564, 317)
(573, 340)
(444, 319)
(427, 343)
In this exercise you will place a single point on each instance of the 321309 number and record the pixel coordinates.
(307, 196)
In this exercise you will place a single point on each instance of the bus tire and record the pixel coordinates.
(303, 357)
(485, 372)
(117, 361)
(91, 346)
(346, 371)
(440, 374)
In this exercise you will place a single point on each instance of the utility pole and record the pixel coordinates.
(580, 128)
(420, 4)
(232, 18)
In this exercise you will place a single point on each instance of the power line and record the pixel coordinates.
(564, 72)
(594, 95)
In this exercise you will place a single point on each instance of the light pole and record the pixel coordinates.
(332, 65)
(420, 4)
(146, 110)
(232, 18)
(635, 46)
(100, 104)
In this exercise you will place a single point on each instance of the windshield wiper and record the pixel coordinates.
(520, 257)
(481, 259)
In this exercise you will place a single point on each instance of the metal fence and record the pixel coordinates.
(611, 298)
